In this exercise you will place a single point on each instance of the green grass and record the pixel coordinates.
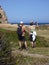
(12, 37)
(22, 60)
(43, 33)
(39, 50)
(42, 47)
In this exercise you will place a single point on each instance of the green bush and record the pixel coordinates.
(12, 37)
(5, 50)
(42, 42)
(5, 53)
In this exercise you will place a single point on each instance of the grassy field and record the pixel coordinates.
(43, 33)
(42, 47)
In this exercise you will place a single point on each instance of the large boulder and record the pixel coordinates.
(3, 17)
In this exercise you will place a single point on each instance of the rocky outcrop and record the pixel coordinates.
(3, 17)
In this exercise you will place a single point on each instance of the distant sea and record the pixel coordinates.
(43, 23)
(34, 23)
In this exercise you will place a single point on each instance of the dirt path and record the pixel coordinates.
(25, 53)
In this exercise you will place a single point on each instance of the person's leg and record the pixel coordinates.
(25, 44)
(20, 42)
(24, 41)
(32, 43)
(20, 45)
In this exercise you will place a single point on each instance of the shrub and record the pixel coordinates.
(5, 50)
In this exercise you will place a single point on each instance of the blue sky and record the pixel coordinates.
(26, 10)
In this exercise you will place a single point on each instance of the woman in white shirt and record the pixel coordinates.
(32, 34)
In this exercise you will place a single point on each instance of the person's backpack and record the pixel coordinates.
(19, 30)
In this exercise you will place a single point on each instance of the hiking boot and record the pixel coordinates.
(26, 48)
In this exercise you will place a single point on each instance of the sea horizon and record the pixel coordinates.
(39, 23)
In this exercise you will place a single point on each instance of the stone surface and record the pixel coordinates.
(3, 17)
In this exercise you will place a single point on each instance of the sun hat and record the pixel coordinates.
(21, 22)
